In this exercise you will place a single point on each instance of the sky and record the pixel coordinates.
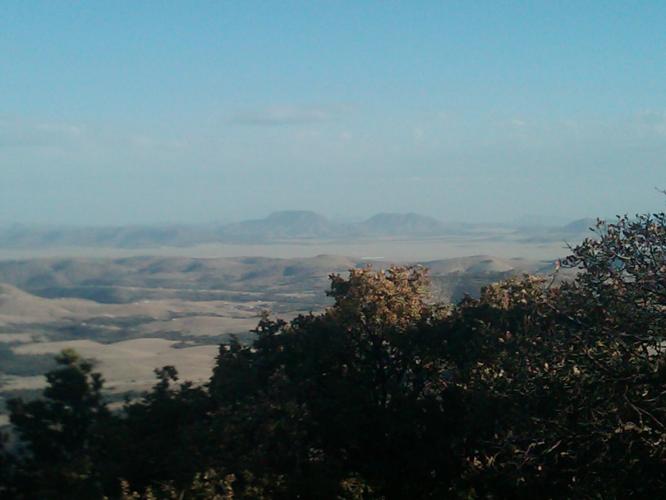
(131, 112)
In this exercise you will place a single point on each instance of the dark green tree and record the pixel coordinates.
(340, 399)
(163, 436)
(567, 385)
(62, 434)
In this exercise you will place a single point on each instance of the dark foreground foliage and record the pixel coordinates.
(531, 391)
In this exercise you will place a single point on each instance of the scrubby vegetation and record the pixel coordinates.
(534, 390)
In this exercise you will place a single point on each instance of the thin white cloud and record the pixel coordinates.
(22, 133)
(283, 115)
(654, 121)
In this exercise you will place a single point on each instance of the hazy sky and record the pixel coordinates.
(118, 112)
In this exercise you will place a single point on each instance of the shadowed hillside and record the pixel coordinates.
(243, 278)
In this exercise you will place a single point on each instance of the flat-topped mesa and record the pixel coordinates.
(284, 224)
(397, 224)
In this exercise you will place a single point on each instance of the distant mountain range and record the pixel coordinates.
(278, 226)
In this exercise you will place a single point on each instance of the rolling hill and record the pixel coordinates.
(297, 281)
(136, 314)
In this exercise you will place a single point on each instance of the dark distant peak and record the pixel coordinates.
(402, 223)
(296, 216)
(581, 225)
(285, 224)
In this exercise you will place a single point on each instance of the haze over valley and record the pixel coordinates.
(138, 298)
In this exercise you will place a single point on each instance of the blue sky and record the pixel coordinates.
(125, 112)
